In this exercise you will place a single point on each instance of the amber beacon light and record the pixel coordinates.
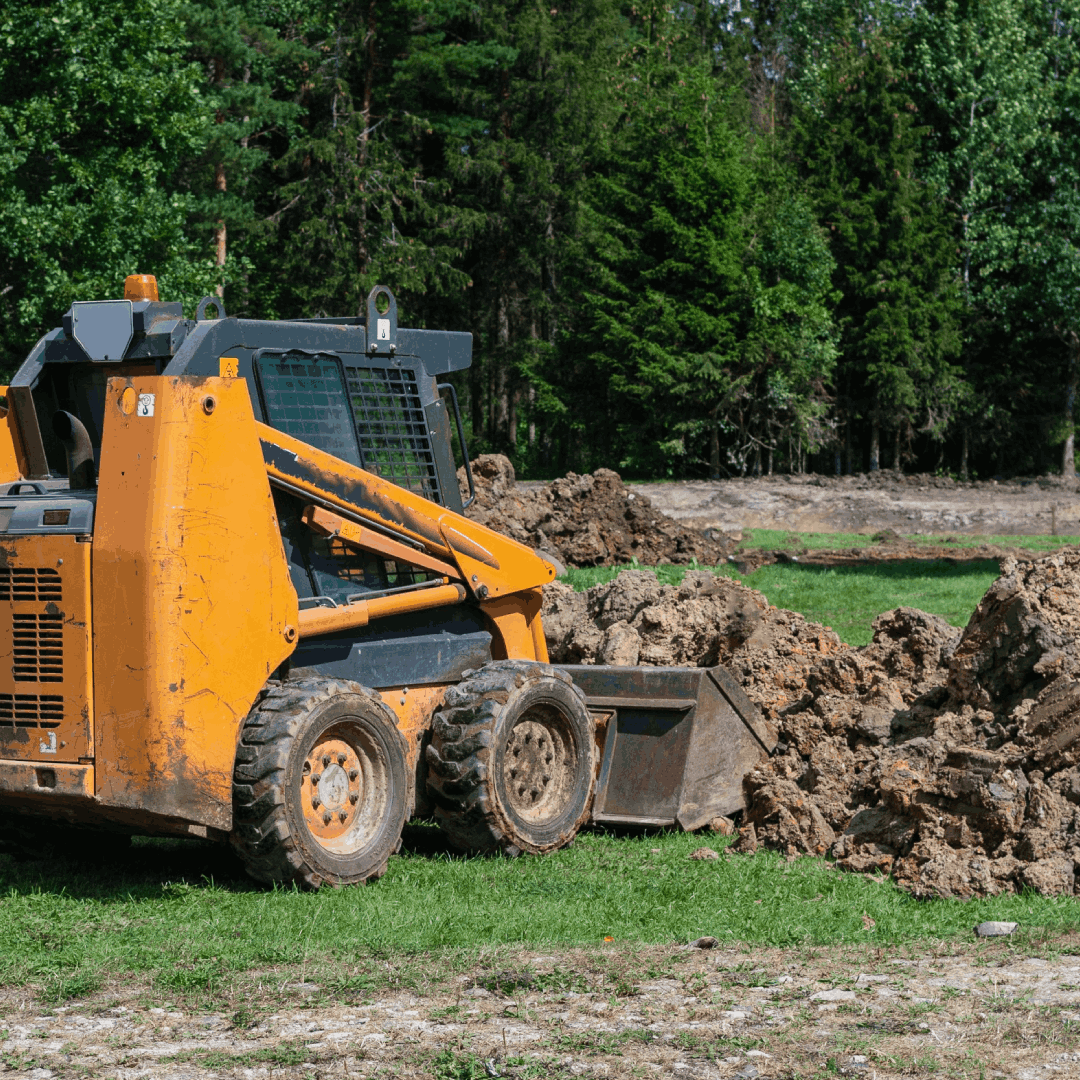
(140, 287)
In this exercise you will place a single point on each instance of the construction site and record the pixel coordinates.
(258, 630)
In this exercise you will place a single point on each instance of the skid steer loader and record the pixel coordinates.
(239, 600)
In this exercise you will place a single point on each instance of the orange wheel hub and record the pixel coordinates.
(331, 787)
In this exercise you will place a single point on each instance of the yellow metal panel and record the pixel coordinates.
(194, 607)
(45, 689)
(12, 455)
(45, 782)
(413, 706)
(518, 634)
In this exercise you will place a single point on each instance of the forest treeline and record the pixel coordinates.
(719, 237)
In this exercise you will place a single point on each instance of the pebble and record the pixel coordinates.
(703, 853)
(995, 929)
(833, 995)
(704, 943)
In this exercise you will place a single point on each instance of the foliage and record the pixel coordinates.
(99, 109)
(687, 240)
(890, 237)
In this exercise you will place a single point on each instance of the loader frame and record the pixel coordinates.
(278, 500)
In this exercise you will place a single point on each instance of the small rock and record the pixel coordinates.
(864, 979)
(704, 943)
(477, 992)
(704, 853)
(995, 929)
(747, 1073)
(757, 1053)
(833, 995)
(722, 825)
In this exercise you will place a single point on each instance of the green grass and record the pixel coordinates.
(159, 913)
(847, 598)
(784, 540)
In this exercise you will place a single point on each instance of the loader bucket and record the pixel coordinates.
(675, 743)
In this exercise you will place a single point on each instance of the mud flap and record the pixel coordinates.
(675, 743)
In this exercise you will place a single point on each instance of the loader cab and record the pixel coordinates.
(364, 390)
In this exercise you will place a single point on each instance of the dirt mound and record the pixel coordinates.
(948, 759)
(585, 520)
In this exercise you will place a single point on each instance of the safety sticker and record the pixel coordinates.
(384, 330)
(228, 367)
(146, 404)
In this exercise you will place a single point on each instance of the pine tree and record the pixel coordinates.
(890, 237)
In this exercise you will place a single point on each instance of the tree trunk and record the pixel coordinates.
(219, 230)
(714, 444)
(532, 417)
(964, 443)
(501, 390)
(875, 446)
(847, 447)
(1068, 457)
(362, 247)
(770, 466)
(897, 468)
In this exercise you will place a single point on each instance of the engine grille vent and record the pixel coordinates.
(30, 584)
(38, 648)
(31, 710)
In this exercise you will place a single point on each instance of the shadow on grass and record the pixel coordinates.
(155, 866)
(147, 870)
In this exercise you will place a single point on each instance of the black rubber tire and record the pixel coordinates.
(488, 800)
(270, 830)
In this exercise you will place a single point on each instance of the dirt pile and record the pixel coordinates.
(585, 520)
(949, 759)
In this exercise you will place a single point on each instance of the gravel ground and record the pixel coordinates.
(998, 1008)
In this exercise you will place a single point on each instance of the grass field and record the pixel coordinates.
(783, 540)
(179, 917)
(848, 597)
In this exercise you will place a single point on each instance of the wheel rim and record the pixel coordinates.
(344, 785)
(540, 765)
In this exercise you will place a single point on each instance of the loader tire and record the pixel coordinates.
(511, 760)
(321, 786)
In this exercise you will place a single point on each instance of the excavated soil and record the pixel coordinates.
(598, 520)
(947, 759)
(586, 520)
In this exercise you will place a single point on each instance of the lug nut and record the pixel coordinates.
(315, 777)
(354, 798)
(326, 818)
(315, 803)
(342, 816)
(353, 774)
(341, 759)
(326, 760)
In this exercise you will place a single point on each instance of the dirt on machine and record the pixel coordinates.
(240, 600)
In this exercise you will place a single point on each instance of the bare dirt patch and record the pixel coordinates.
(872, 502)
(947, 759)
(964, 1010)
